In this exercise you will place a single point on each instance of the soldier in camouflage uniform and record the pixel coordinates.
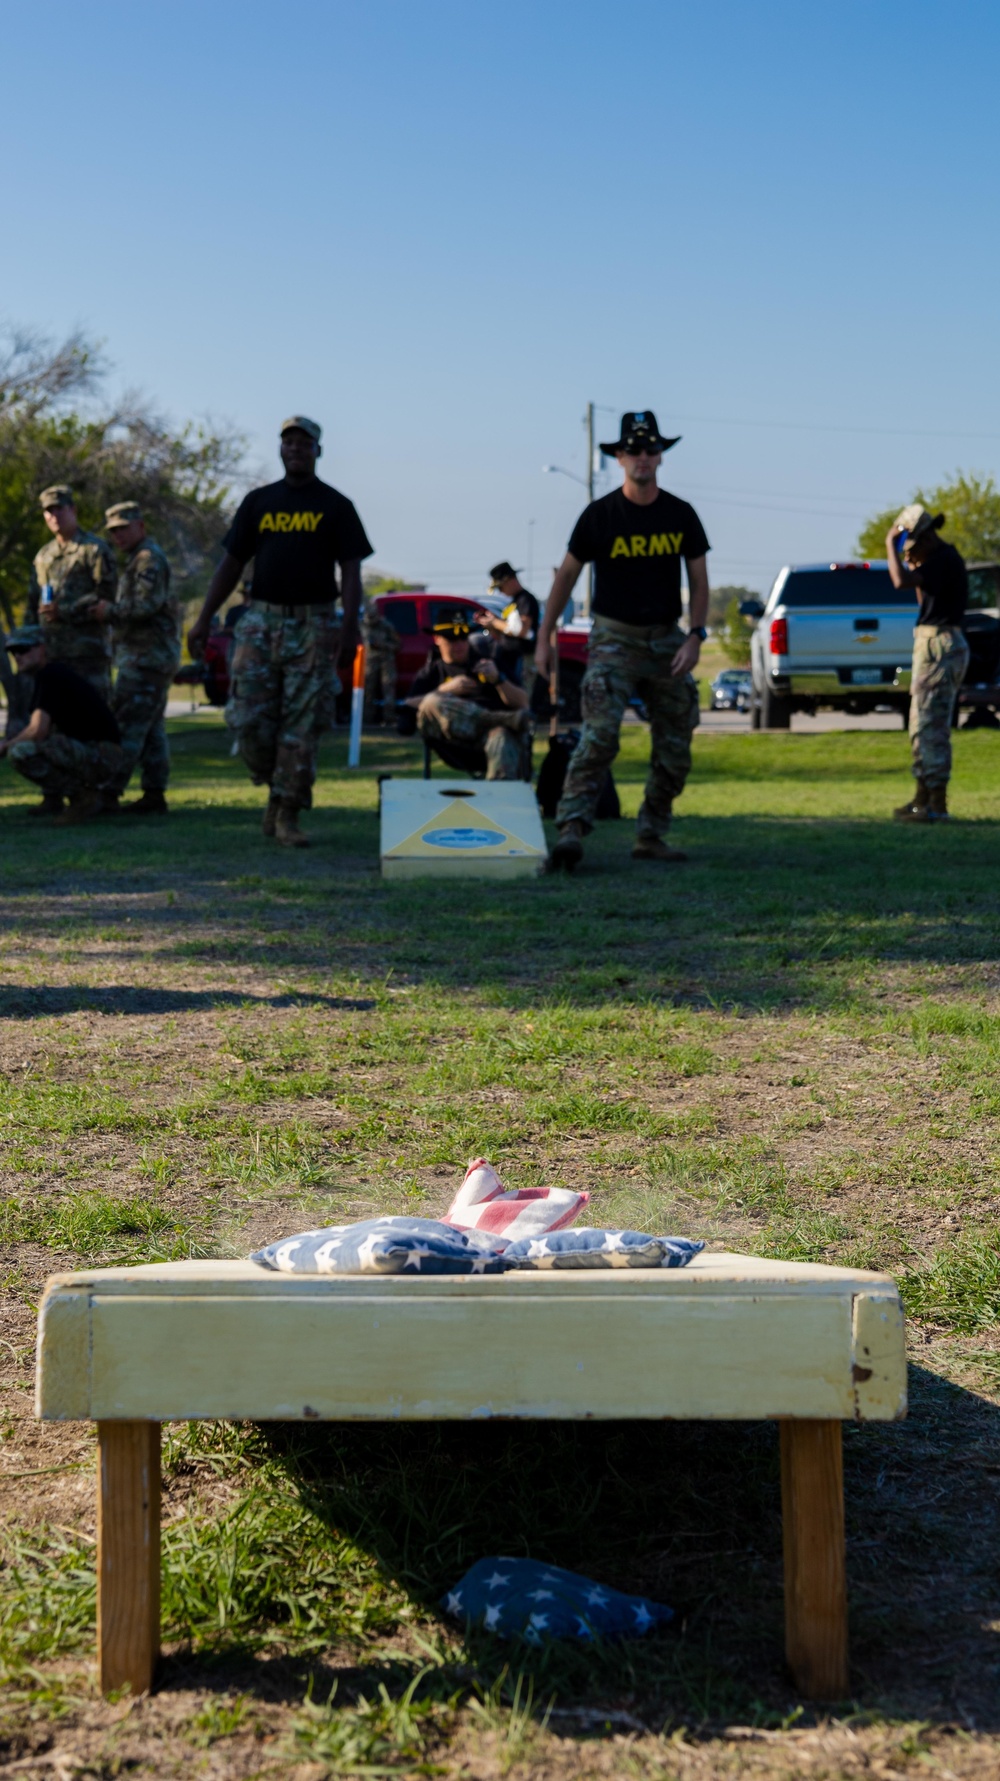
(467, 708)
(381, 641)
(146, 623)
(636, 537)
(937, 574)
(71, 745)
(69, 577)
(298, 531)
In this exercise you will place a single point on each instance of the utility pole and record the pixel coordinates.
(589, 423)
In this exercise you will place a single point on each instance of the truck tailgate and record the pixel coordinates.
(830, 637)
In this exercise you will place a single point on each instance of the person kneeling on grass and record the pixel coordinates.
(467, 708)
(71, 745)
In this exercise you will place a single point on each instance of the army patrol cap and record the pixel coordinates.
(59, 495)
(23, 637)
(121, 514)
(304, 425)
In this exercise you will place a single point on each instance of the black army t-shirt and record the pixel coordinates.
(296, 533)
(436, 671)
(72, 705)
(636, 552)
(943, 586)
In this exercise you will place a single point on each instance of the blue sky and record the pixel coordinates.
(442, 228)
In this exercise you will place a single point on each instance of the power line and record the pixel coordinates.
(702, 420)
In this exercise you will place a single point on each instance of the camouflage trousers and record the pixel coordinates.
(329, 630)
(139, 702)
(940, 658)
(380, 675)
(625, 661)
(442, 717)
(280, 693)
(61, 766)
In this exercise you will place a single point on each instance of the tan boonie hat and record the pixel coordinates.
(304, 425)
(121, 514)
(916, 520)
(59, 495)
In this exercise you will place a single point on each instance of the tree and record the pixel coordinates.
(735, 634)
(182, 480)
(374, 583)
(731, 631)
(721, 598)
(970, 503)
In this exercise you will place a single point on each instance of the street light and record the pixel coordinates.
(557, 470)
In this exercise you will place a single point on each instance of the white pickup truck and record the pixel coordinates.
(833, 635)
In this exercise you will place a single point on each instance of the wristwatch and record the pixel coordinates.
(697, 631)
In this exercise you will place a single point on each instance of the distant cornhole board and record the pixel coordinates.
(460, 828)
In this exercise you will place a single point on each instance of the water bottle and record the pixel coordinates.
(48, 596)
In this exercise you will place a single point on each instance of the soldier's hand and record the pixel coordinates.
(197, 636)
(102, 611)
(687, 656)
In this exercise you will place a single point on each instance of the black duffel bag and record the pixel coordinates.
(552, 777)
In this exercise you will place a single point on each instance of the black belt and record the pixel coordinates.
(301, 610)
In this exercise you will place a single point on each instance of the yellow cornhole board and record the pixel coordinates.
(460, 828)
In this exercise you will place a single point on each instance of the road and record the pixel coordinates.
(728, 722)
(802, 725)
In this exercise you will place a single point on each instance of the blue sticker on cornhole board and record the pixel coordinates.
(463, 838)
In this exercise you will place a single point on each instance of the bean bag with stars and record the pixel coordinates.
(537, 1602)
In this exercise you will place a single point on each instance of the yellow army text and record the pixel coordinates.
(657, 544)
(289, 522)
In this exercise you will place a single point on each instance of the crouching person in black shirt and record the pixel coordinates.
(71, 746)
(467, 709)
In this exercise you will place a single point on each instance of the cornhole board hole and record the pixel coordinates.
(729, 1338)
(460, 828)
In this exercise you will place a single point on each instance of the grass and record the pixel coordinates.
(791, 1045)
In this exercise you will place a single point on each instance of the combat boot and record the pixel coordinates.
(652, 847)
(286, 827)
(917, 810)
(568, 850)
(938, 803)
(269, 826)
(82, 807)
(51, 805)
(150, 804)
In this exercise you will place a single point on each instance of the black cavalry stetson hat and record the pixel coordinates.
(639, 432)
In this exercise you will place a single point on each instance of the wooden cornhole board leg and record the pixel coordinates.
(812, 1500)
(812, 1492)
(128, 1554)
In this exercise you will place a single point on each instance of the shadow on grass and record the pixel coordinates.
(769, 911)
(41, 1000)
(688, 1513)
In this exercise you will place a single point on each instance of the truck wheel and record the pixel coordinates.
(775, 712)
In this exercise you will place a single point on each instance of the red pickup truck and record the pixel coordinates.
(413, 613)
